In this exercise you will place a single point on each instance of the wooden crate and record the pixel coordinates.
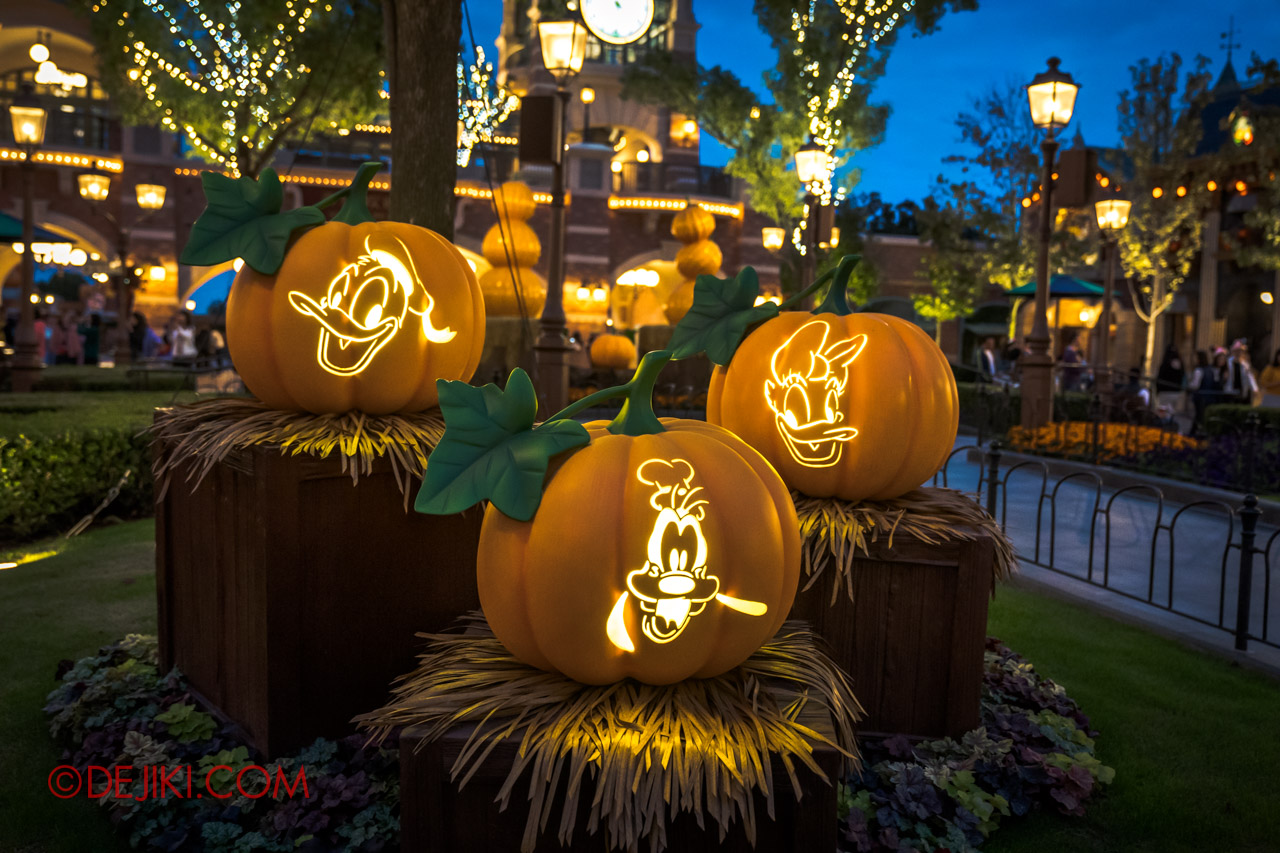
(912, 639)
(437, 817)
(290, 598)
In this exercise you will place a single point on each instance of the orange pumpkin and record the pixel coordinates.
(358, 317)
(612, 350)
(692, 224)
(851, 406)
(658, 557)
(514, 204)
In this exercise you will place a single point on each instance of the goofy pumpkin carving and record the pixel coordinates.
(674, 585)
(809, 379)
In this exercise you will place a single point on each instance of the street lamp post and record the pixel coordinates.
(813, 167)
(588, 97)
(564, 48)
(28, 118)
(95, 186)
(1113, 215)
(1051, 96)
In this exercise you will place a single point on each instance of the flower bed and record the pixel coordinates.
(1034, 750)
(1114, 440)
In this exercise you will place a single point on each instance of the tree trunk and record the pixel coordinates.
(1156, 311)
(422, 39)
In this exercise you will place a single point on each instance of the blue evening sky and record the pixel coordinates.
(930, 79)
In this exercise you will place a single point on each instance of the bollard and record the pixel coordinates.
(993, 475)
(1244, 594)
(1253, 425)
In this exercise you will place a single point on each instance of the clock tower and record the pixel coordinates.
(651, 144)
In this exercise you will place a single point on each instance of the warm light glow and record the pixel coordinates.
(1242, 187)
(1156, 192)
(615, 166)
(806, 392)
(150, 196)
(588, 95)
(237, 264)
(8, 565)
(1112, 213)
(48, 299)
(762, 299)
(583, 294)
(813, 163)
(639, 277)
(1266, 297)
(62, 254)
(94, 186)
(28, 123)
(101, 277)
(667, 203)
(367, 304)
(599, 294)
(1182, 191)
(773, 238)
(1104, 183)
(35, 299)
(190, 305)
(835, 236)
(674, 585)
(643, 155)
(1026, 202)
(38, 52)
(1212, 186)
(156, 273)
(1051, 97)
(564, 47)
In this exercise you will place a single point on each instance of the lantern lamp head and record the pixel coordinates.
(588, 95)
(150, 196)
(1051, 95)
(772, 238)
(94, 185)
(564, 47)
(813, 163)
(28, 117)
(1113, 213)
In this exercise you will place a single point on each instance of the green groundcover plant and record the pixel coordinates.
(1034, 750)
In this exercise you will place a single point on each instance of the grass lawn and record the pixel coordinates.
(1193, 739)
(55, 412)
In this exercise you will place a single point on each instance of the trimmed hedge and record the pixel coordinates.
(49, 482)
(1003, 408)
(1224, 418)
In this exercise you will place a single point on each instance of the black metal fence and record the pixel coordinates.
(1204, 560)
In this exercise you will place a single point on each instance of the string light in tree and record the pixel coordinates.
(250, 74)
(481, 106)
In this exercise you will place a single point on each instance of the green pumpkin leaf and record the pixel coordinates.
(723, 309)
(491, 451)
(242, 219)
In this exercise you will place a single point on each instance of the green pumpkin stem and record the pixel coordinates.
(637, 416)
(837, 301)
(356, 208)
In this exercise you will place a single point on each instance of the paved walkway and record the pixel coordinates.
(1078, 538)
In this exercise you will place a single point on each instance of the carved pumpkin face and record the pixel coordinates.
(690, 564)
(850, 406)
(363, 317)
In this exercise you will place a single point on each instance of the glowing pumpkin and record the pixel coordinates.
(692, 224)
(614, 351)
(852, 406)
(689, 562)
(514, 204)
(364, 317)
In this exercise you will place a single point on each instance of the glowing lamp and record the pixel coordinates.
(150, 196)
(773, 238)
(155, 273)
(835, 236)
(813, 163)
(28, 118)
(94, 186)
(588, 95)
(564, 47)
(599, 294)
(1112, 213)
(583, 294)
(1267, 297)
(642, 155)
(39, 52)
(48, 299)
(35, 299)
(615, 166)
(822, 397)
(190, 305)
(1052, 97)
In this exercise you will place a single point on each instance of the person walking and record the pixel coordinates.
(988, 366)
(182, 339)
(1269, 381)
(1171, 379)
(1206, 388)
(1073, 366)
(1240, 384)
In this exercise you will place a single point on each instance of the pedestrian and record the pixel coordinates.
(1270, 382)
(1073, 366)
(182, 340)
(92, 339)
(1171, 379)
(1206, 388)
(42, 332)
(138, 329)
(1240, 384)
(987, 364)
(72, 342)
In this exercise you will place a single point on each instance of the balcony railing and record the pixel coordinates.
(637, 178)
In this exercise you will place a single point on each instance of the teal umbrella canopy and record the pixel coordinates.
(1061, 285)
(11, 232)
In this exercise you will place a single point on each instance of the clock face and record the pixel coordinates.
(617, 21)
